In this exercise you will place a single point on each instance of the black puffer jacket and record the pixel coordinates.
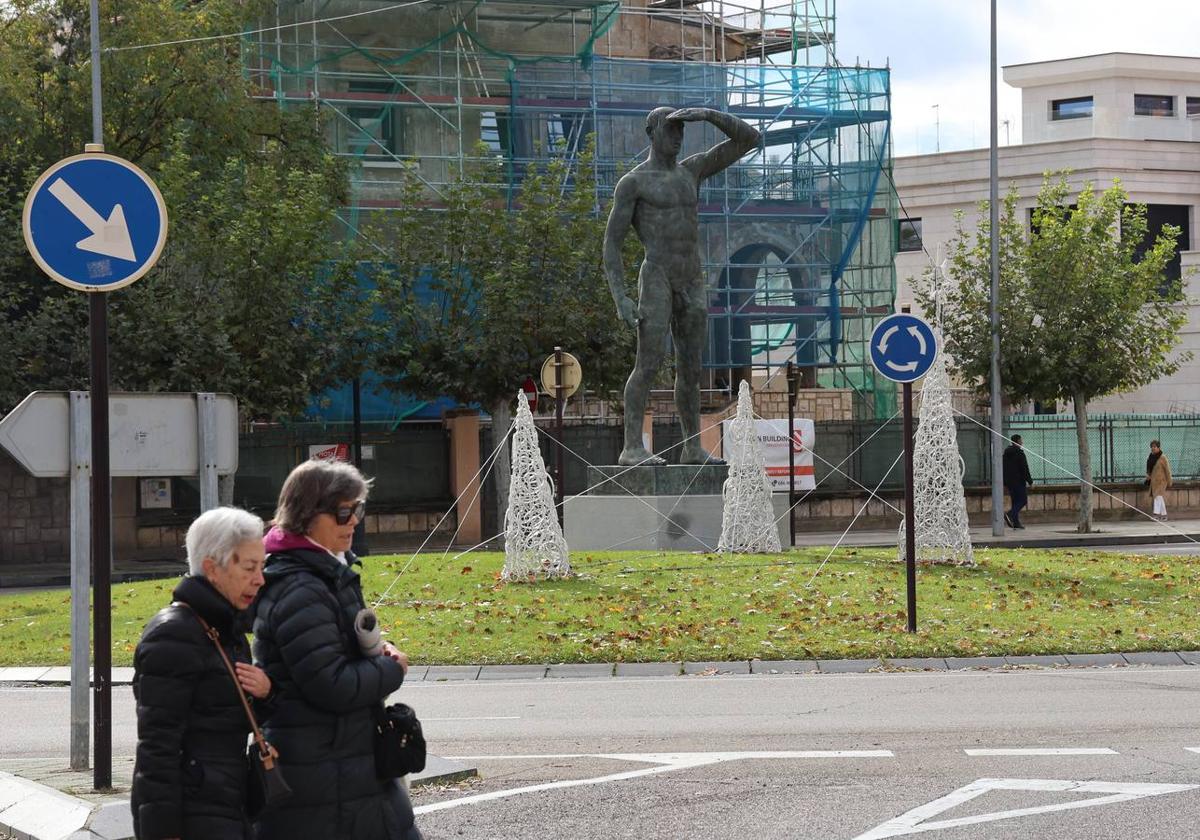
(323, 719)
(189, 779)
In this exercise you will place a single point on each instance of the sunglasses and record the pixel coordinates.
(342, 513)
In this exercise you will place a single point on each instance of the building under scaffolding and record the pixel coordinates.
(797, 238)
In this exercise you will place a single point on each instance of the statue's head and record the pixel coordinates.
(666, 136)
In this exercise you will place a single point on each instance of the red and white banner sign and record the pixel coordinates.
(773, 437)
(330, 452)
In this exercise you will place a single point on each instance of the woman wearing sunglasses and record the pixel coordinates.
(328, 685)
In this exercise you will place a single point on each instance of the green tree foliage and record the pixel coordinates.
(1086, 309)
(253, 290)
(480, 294)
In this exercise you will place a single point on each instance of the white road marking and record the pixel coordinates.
(664, 763)
(1044, 751)
(510, 717)
(669, 758)
(1193, 749)
(914, 821)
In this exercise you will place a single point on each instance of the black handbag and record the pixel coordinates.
(399, 742)
(265, 785)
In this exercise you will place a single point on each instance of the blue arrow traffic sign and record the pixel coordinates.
(95, 222)
(903, 347)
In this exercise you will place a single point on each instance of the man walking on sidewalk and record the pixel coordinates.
(1016, 479)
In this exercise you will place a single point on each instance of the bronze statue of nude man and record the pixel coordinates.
(659, 199)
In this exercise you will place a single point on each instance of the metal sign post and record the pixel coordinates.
(96, 223)
(80, 437)
(558, 422)
(359, 543)
(792, 386)
(101, 548)
(51, 435)
(910, 530)
(903, 348)
(561, 376)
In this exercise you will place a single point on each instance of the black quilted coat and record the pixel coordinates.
(189, 779)
(323, 719)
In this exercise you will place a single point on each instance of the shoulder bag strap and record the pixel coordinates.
(266, 751)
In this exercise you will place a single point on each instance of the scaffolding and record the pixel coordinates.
(797, 238)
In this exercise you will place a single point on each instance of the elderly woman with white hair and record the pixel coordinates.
(190, 777)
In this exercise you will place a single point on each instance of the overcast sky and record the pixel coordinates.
(938, 51)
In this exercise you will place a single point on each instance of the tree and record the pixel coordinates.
(479, 297)
(1086, 308)
(254, 293)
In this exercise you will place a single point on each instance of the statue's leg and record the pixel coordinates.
(689, 328)
(654, 313)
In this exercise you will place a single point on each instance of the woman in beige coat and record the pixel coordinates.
(1158, 477)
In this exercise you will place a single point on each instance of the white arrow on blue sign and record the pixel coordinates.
(95, 222)
(903, 347)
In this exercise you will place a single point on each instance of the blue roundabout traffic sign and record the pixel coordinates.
(95, 222)
(903, 347)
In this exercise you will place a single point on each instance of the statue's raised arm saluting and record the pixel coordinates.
(658, 198)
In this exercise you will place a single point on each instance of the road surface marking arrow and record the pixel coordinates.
(110, 237)
(662, 763)
(917, 821)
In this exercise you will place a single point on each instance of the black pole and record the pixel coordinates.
(791, 383)
(359, 544)
(101, 545)
(558, 419)
(910, 531)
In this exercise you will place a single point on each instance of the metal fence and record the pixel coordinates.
(410, 464)
(1119, 444)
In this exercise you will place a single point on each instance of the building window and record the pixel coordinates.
(493, 131)
(1193, 106)
(908, 236)
(376, 137)
(1158, 215)
(1076, 108)
(1153, 105)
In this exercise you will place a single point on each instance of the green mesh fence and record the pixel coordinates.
(1119, 444)
(796, 239)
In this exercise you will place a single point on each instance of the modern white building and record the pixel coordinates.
(1114, 116)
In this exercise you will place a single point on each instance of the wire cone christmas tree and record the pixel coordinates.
(939, 506)
(533, 540)
(748, 518)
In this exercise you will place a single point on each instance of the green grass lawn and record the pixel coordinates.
(639, 607)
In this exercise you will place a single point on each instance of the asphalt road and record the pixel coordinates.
(828, 757)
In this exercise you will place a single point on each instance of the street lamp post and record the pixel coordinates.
(994, 215)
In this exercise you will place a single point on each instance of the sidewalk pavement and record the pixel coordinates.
(45, 675)
(40, 800)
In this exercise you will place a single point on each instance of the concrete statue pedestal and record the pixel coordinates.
(664, 508)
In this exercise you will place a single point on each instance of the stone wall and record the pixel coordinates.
(35, 521)
(35, 516)
(815, 404)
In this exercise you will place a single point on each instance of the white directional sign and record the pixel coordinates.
(95, 222)
(903, 347)
(151, 434)
(919, 820)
